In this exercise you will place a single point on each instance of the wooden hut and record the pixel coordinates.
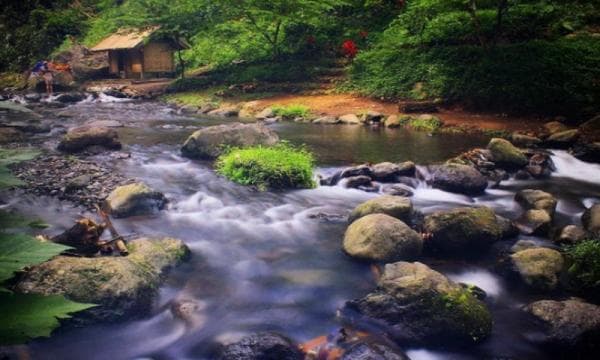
(139, 53)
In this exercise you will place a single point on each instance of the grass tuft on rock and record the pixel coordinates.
(584, 271)
(291, 111)
(279, 167)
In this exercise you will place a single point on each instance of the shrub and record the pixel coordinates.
(538, 76)
(291, 111)
(278, 167)
(425, 123)
(584, 272)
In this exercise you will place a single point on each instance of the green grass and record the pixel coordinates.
(429, 124)
(279, 167)
(291, 111)
(194, 98)
(584, 271)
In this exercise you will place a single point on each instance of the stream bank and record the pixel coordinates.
(272, 261)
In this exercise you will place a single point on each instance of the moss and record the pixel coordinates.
(584, 269)
(467, 313)
(278, 167)
(425, 123)
(506, 153)
(291, 111)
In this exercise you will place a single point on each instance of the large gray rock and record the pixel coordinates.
(385, 171)
(134, 199)
(80, 138)
(563, 139)
(573, 325)
(459, 178)
(380, 237)
(395, 206)
(538, 268)
(373, 351)
(536, 200)
(121, 286)
(462, 232)
(208, 143)
(261, 346)
(506, 154)
(591, 219)
(420, 306)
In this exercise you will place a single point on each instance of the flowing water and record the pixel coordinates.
(273, 260)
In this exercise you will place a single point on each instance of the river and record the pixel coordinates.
(273, 260)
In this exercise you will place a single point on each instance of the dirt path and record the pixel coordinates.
(341, 104)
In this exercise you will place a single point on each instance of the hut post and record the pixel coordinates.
(181, 63)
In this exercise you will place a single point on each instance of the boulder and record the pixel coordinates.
(591, 219)
(419, 107)
(536, 200)
(121, 286)
(508, 228)
(587, 151)
(225, 112)
(419, 306)
(397, 190)
(407, 168)
(554, 127)
(373, 351)
(261, 346)
(539, 268)
(265, 114)
(394, 121)
(71, 97)
(188, 109)
(459, 178)
(522, 245)
(86, 65)
(350, 119)
(462, 232)
(523, 140)
(395, 206)
(208, 143)
(9, 135)
(563, 139)
(380, 237)
(326, 120)
(570, 235)
(356, 171)
(372, 117)
(385, 171)
(79, 138)
(506, 154)
(134, 199)
(571, 325)
(355, 182)
(534, 222)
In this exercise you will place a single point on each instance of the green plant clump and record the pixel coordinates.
(584, 272)
(429, 124)
(279, 167)
(291, 111)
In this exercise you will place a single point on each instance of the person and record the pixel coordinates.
(48, 76)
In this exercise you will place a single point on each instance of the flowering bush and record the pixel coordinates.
(349, 49)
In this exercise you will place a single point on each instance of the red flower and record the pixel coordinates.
(349, 49)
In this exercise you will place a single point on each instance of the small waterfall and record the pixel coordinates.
(568, 166)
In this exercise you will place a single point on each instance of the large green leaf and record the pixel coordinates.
(28, 316)
(8, 157)
(11, 220)
(19, 250)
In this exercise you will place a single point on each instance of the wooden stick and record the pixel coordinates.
(118, 240)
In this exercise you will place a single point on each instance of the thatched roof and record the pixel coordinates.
(132, 38)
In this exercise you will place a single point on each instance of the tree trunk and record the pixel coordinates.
(501, 10)
(472, 10)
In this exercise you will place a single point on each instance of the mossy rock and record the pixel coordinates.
(537, 200)
(462, 232)
(121, 286)
(459, 178)
(421, 306)
(379, 237)
(134, 199)
(539, 268)
(396, 206)
(506, 154)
